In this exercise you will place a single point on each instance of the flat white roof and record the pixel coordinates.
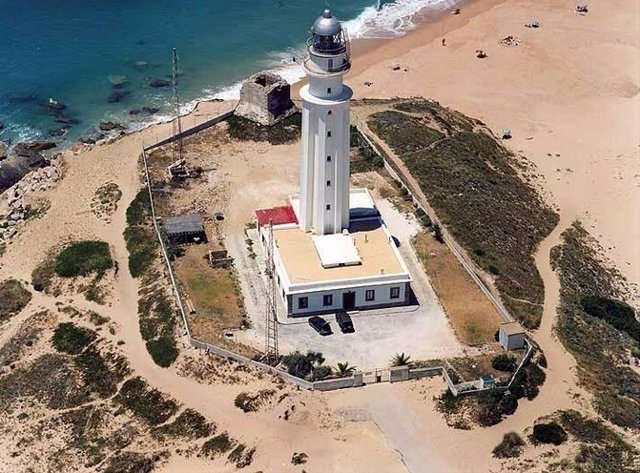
(336, 250)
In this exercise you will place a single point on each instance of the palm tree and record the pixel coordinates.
(345, 370)
(400, 359)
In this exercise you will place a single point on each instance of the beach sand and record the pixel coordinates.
(568, 93)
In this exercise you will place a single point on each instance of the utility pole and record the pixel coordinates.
(271, 316)
(178, 150)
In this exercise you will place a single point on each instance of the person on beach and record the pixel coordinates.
(444, 42)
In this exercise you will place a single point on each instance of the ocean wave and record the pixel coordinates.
(394, 18)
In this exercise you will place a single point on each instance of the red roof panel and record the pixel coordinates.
(277, 215)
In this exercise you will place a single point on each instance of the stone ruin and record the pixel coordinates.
(265, 98)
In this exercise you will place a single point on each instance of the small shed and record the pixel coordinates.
(511, 336)
(185, 229)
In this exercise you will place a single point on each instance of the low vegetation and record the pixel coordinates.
(283, 132)
(241, 456)
(105, 200)
(72, 339)
(84, 258)
(548, 432)
(156, 311)
(13, 298)
(248, 402)
(145, 402)
(472, 182)
(510, 447)
(594, 326)
(218, 445)
(504, 362)
(189, 424)
(363, 157)
(140, 236)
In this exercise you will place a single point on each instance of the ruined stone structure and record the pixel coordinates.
(265, 98)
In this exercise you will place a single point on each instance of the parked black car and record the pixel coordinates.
(344, 322)
(320, 325)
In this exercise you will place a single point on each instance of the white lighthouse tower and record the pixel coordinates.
(324, 169)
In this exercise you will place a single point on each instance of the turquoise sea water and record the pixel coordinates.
(68, 49)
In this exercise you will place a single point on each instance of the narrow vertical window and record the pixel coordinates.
(329, 134)
(328, 183)
(328, 207)
(329, 112)
(328, 159)
(328, 90)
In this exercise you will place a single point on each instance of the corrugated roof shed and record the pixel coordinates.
(191, 223)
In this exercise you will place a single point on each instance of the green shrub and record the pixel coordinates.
(321, 372)
(189, 424)
(302, 365)
(217, 445)
(504, 362)
(617, 313)
(71, 338)
(241, 456)
(299, 458)
(510, 447)
(139, 210)
(84, 258)
(142, 245)
(163, 351)
(550, 432)
(437, 233)
(400, 359)
(13, 298)
(146, 403)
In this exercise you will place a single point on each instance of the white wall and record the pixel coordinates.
(382, 298)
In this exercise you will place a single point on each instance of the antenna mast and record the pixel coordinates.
(178, 150)
(271, 326)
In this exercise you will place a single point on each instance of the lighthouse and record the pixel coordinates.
(324, 166)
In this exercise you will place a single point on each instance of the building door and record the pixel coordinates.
(348, 300)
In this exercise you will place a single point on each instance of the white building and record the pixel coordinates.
(331, 249)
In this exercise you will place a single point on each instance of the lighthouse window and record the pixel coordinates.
(329, 112)
(328, 183)
(328, 90)
(328, 159)
(328, 206)
(329, 134)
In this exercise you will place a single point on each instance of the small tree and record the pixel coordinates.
(503, 362)
(550, 432)
(437, 233)
(344, 370)
(400, 359)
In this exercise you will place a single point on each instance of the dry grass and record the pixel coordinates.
(213, 293)
(472, 316)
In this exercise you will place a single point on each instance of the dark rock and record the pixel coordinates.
(1, 126)
(57, 132)
(4, 149)
(135, 111)
(118, 96)
(17, 165)
(67, 120)
(26, 149)
(150, 110)
(55, 105)
(158, 83)
(88, 141)
(109, 126)
(22, 98)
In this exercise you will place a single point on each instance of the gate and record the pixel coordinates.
(375, 376)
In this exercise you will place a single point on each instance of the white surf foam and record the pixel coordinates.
(394, 18)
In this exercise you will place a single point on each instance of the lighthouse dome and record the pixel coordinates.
(326, 25)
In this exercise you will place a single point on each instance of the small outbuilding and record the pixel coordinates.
(511, 336)
(265, 98)
(185, 229)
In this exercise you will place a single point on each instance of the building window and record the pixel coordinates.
(328, 206)
(328, 183)
(328, 90)
(329, 134)
(303, 303)
(327, 300)
(328, 159)
(329, 112)
(370, 295)
(395, 293)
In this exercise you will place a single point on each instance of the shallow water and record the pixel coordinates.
(73, 51)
